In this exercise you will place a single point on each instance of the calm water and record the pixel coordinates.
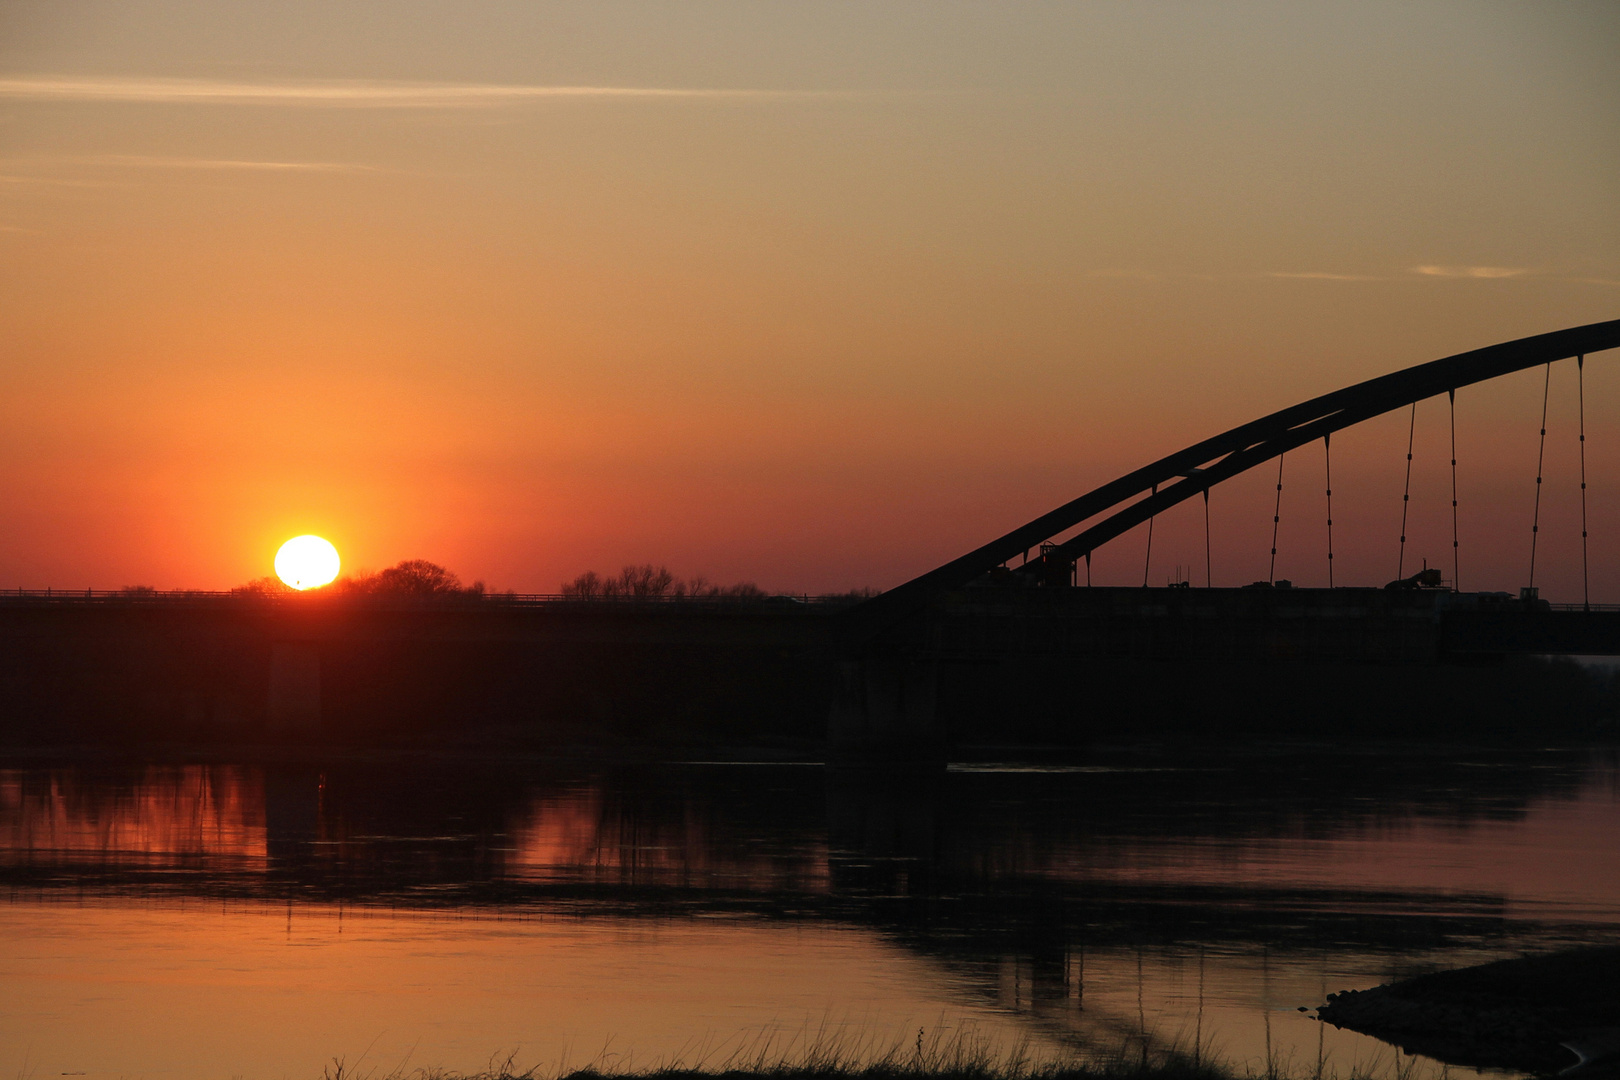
(241, 921)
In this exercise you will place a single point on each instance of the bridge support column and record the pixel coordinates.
(887, 708)
(295, 688)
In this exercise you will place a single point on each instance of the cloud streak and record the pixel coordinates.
(346, 93)
(1322, 275)
(135, 161)
(52, 181)
(1486, 272)
(1465, 273)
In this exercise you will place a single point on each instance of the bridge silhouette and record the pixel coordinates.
(981, 608)
(1002, 642)
(1194, 470)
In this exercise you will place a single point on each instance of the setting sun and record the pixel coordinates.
(307, 562)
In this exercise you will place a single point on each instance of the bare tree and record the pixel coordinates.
(413, 577)
(648, 582)
(416, 577)
(265, 586)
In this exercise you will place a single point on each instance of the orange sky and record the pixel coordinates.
(817, 296)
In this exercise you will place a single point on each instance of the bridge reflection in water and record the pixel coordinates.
(277, 916)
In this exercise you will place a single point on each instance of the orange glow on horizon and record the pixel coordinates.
(858, 314)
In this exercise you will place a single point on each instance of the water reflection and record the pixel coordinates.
(1141, 902)
(186, 815)
(586, 835)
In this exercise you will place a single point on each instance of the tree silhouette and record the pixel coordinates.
(418, 577)
(413, 577)
(265, 586)
(648, 582)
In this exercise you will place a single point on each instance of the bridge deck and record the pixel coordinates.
(1197, 625)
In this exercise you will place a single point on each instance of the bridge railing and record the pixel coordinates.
(468, 599)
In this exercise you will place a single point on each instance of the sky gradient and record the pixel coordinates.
(813, 295)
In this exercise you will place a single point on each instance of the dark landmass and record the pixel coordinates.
(442, 668)
(1537, 1014)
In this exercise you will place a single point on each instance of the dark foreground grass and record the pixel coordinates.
(878, 1072)
(1118, 1070)
(838, 1054)
(947, 1054)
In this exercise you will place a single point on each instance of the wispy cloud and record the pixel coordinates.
(1322, 275)
(1471, 271)
(1476, 273)
(1126, 275)
(53, 181)
(341, 94)
(137, 161)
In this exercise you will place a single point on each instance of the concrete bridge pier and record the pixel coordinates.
(887, 709)
(294, 702)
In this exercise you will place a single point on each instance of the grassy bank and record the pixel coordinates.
(899, 1066)
(946, 1054)
(839, 1052)
(876, 1072)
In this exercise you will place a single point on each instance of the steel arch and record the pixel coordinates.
(1197, 468)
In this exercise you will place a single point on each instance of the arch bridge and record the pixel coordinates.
(895, 641)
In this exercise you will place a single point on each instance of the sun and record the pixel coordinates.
(307, 562)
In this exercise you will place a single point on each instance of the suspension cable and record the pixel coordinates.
(1406, 494)
(1147, 560)
(1580, 383)
(1276, 519)
(1541, 457)
(1207, 577)
(1327, 459)
(1456, 572)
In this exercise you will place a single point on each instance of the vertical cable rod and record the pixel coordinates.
(1208, 578)
(1276, 520)
(1147, 560)
(1456, 572)
(1406, 494)
(1327, 460)
(1088, 569)
(1541, 458)
(1580, 383)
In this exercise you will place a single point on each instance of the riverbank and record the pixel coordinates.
(1076, 669)
(841, 1054)
(877, 1071)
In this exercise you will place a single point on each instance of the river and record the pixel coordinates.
(194, 921)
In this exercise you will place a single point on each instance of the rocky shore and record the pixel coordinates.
(1538, 1014)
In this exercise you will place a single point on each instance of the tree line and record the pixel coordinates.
(419, 577)
(412, 577)
(650, 582)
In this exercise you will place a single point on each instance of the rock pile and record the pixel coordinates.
(1539, 1014)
